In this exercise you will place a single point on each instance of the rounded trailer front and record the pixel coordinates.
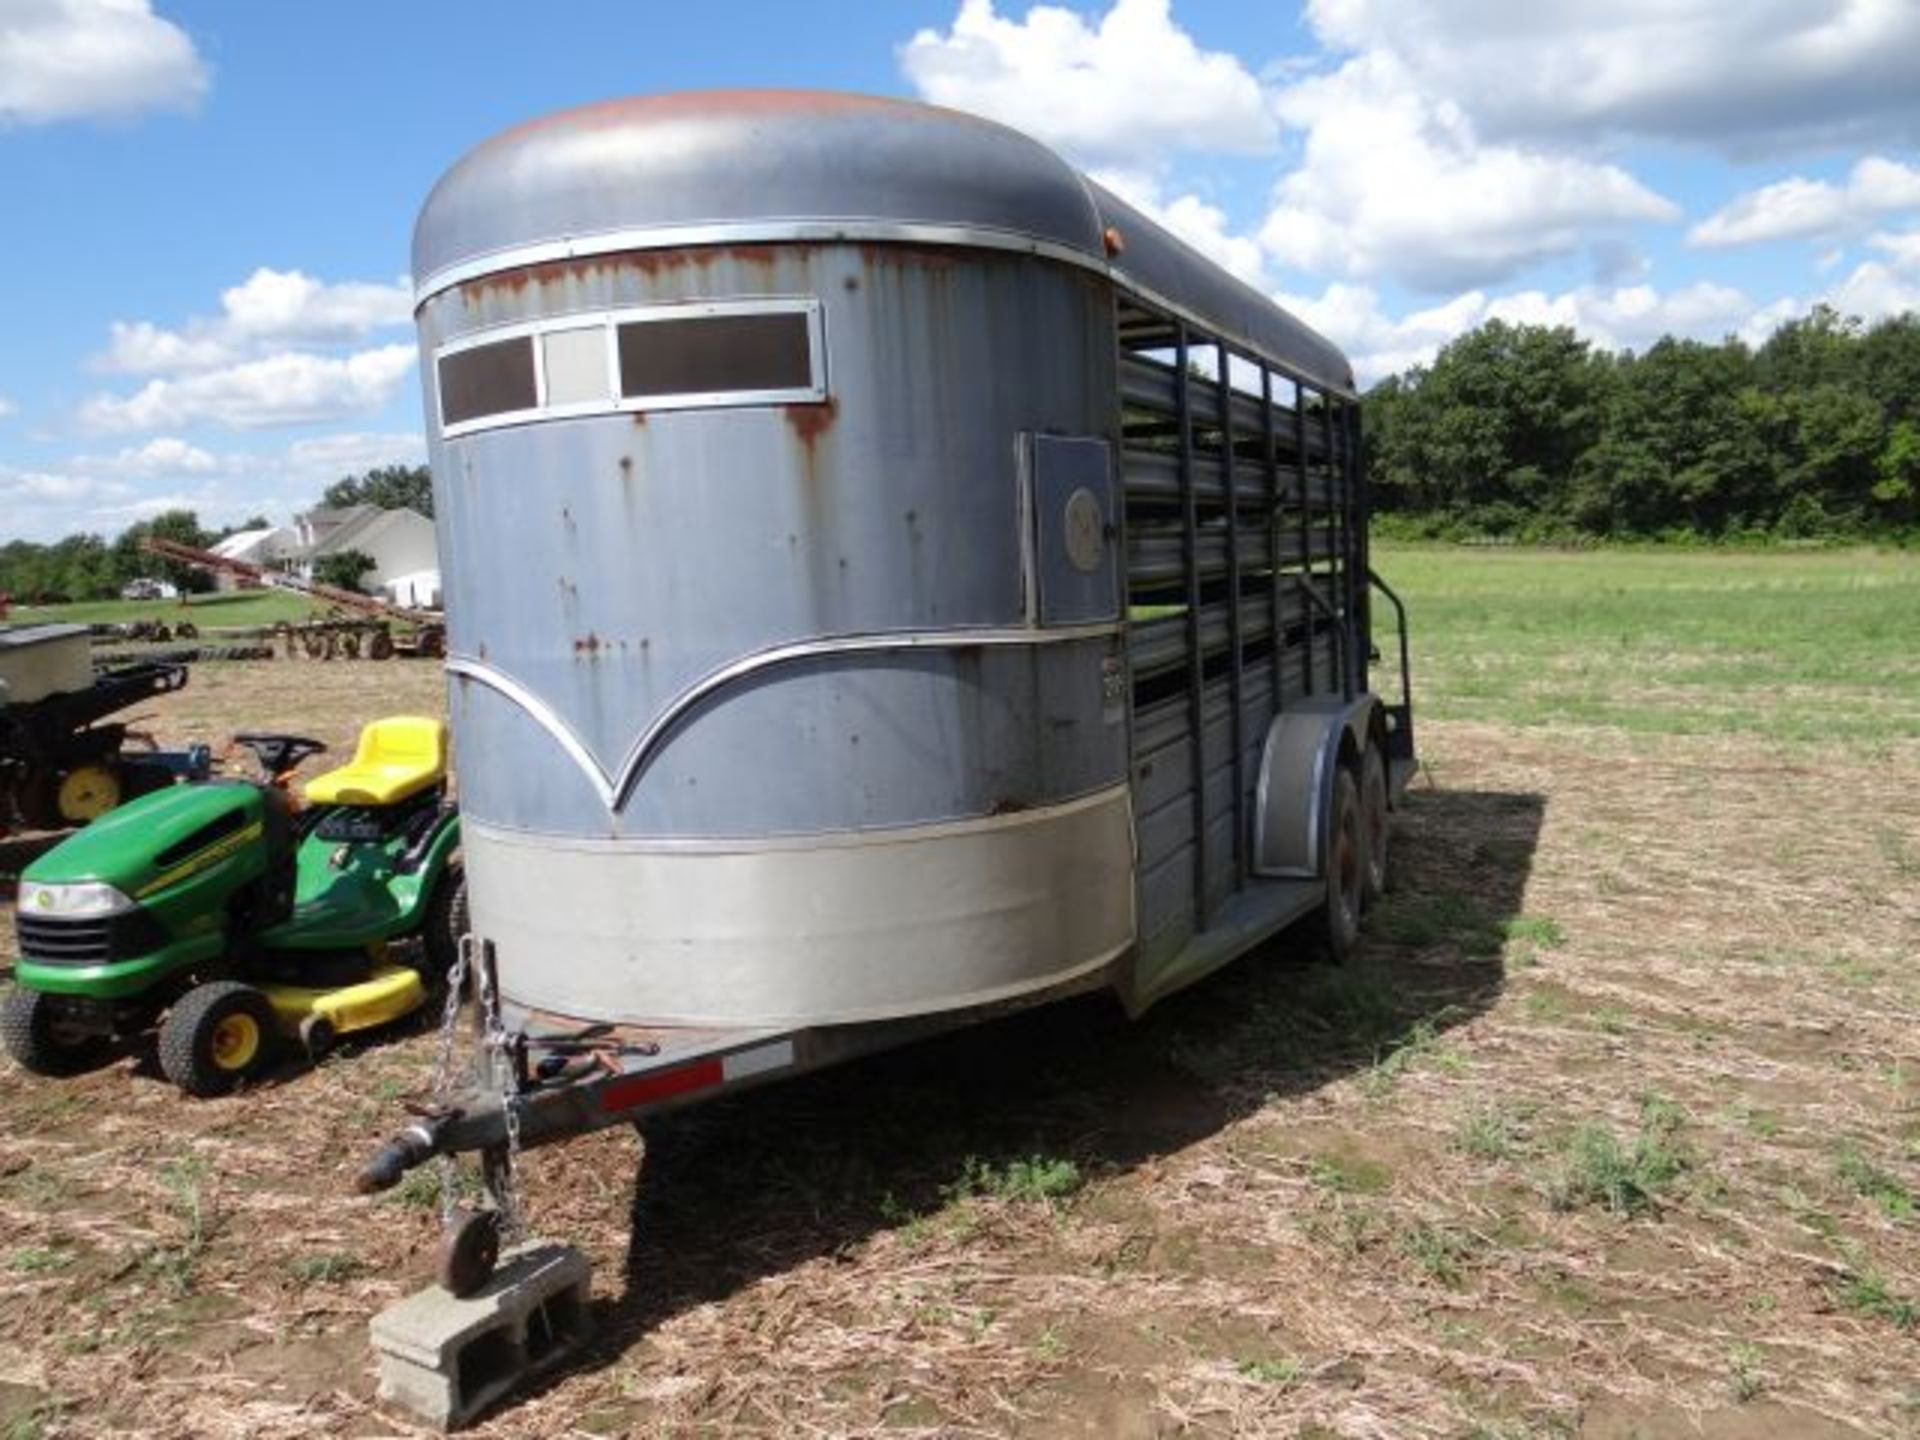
(780, 450)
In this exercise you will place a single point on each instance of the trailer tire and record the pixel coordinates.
(1374, 806)
(31, 1033)
(217, 1036)
(1338, 923)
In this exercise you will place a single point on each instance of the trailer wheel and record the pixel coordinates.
(219, 1035)
(1373, 822)
(1339, 917)
(39, 1043)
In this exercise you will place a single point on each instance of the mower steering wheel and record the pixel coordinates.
(278, 754)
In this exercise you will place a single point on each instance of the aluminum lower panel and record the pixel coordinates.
(827, 930)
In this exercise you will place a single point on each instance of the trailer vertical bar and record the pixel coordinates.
(1235, 637)
(1196, 656)
(1275, 627)
(1301, 469)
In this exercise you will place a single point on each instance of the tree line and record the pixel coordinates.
(1529, 432)
(91, 567)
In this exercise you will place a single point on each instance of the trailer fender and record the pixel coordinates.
(1304, 747)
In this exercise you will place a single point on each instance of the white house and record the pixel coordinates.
(399, 542)
(262, 547)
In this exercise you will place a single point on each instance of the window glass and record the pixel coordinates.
(576, 365)
(487, 380)
(706, 354)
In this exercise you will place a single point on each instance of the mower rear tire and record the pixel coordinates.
(447, 921)
(39, 1042)
(218, 1036)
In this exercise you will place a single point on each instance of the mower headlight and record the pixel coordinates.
(82, 900)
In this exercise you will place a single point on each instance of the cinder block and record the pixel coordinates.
(444, 1360)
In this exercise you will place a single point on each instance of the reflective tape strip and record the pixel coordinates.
(650, 1086)
(742, 1063)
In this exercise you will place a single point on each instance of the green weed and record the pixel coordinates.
(327, 1267)
(1440, 1251)
(1745, 1376)
(1596, 1169)
(1871, 1182)
(1032, 1178)
(1866, 1291)
(37, 1260)
(1281, 1373)
(1491, 1134)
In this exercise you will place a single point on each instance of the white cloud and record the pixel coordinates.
(1202, 225)
(1798, 208)
(1395, 184)
(1876, 289)
(107, 492)
(1129, 89)
(7, 407)
(98, 59)
(1746, 78)
(271, 309)
(1612, 318)
(290, 388)
(323, 459)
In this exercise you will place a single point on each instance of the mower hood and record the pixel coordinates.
(156, 842)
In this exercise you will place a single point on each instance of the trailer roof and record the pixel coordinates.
(737, 166)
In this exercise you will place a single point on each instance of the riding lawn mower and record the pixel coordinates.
(236, 919)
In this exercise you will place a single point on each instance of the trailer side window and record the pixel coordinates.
(492, 379)
(716, 354)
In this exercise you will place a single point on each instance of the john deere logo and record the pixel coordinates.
(43, 899)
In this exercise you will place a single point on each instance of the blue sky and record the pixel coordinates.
(209, 205)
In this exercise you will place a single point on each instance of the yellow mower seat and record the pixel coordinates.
(396, 757)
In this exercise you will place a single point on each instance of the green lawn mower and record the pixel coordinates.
(238, 921)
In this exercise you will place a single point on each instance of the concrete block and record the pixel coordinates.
(444, 1360)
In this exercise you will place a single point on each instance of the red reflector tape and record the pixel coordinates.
(661, 1085)
(636, 1090)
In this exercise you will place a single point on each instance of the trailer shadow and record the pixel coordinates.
(755, 1185)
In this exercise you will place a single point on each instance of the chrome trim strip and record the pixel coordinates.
(617, 788)
(1117, 793)
(911, 232)
(745, 232)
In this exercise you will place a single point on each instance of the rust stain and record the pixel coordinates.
(1007, 805)
(588, 644)
(931, 257)
(812, 421)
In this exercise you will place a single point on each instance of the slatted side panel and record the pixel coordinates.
(1244, 540)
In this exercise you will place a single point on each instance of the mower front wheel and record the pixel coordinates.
(219, 1035)
(40, 1042)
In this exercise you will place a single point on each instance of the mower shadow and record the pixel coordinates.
(750, 1187)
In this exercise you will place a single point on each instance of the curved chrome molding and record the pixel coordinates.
(746, 232)
(541, 713)
(617, 788)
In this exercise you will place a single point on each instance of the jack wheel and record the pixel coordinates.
(469, 1250)
(318, 1036)
(219, 1035)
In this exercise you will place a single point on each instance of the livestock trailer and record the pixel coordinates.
(888, 579)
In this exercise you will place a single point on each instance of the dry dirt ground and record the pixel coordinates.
(1612, 1132)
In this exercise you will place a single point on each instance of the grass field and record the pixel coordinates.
(239, 607)
(1613, 1131)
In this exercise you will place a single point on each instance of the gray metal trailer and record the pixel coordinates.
(888, 579)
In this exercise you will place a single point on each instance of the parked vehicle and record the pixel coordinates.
(888, 579)
(232, 920)
(59, 764)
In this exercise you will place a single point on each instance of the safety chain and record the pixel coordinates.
(499, 1055)
(440, 1089)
